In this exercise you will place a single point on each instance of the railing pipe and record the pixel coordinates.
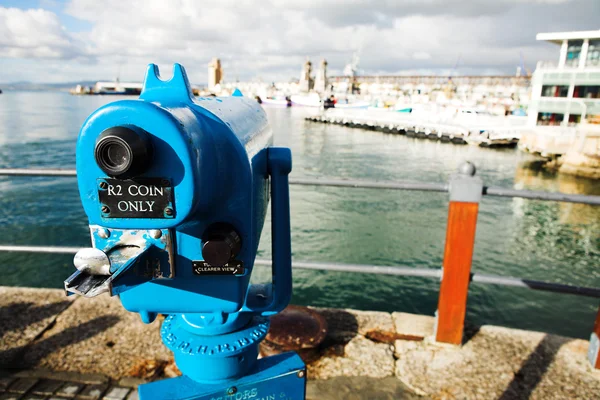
(548, 196)
(37, 172)
(396, 270)
(364, 184)
(536, 285)
(354, 183)
(40, 249)
(364, 269)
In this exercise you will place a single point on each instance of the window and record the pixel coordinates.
(554, 91)
(573, 53)
(550, 119)
(593, 57)
(587, 92)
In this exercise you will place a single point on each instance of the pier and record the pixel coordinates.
(574, 150)
(490, 133)
(65, 348)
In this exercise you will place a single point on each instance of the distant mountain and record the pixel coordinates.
(35, 86)
(25, 85)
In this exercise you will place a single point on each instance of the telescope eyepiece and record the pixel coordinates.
(123, 152)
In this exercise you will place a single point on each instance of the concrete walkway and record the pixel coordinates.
(366, 355)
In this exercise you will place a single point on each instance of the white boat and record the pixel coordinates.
(308, 100)
(358, 104)
(276, 102)
(117, 88)
(314, 100)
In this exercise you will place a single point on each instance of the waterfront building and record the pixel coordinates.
(306, 80)
(215, 74)
(567, 92)
(564, 112)
(321, 78)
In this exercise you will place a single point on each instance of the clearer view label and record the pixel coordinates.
(135, 198)
(233, 267)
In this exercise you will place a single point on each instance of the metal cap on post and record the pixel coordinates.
(465, 194)
(464, 185)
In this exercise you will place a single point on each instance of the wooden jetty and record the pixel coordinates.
(488, 132)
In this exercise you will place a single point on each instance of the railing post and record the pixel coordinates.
(465, 195)
(594, 350)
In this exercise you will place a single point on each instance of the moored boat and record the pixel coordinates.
(358, 104)
(314, 100)
(308, 100)
(277, 102)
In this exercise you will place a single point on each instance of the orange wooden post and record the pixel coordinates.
(465, 195)
(594, 350)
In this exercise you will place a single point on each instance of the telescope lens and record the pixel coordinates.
(123, 152)
(117, 155)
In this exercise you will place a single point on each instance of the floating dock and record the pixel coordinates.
(488, 132)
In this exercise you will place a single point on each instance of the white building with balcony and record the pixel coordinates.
(564, 111)
(563, 94)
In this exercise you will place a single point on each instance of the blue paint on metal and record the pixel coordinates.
(237, 93)
(280, 377)
(217, 154)
(209, 358)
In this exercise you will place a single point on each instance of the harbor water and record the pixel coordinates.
(551, 241)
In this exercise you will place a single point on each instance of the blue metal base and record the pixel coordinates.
(280, 377)
(207, 358)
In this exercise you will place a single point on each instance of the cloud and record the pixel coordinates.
(384, 12)
(35, 34)
(272, 38)
(421, 55)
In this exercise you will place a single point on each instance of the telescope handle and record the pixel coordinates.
(279, 292)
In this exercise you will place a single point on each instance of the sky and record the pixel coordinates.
(51, 41)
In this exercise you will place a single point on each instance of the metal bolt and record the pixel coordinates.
(104, 233)
(156, 233)
(169, 211)
(105, 210)
(301, 373)
(232, 390)
(103, 185)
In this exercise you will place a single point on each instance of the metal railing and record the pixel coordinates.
(462, 199)
(362, 268)
(396, 270)
(363, 184)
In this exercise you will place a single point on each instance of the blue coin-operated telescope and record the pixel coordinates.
(176, 190)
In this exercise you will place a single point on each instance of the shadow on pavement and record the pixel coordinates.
(470, 331)
(18, 316)
(533, 369)
(342, 327)
(29, 355)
